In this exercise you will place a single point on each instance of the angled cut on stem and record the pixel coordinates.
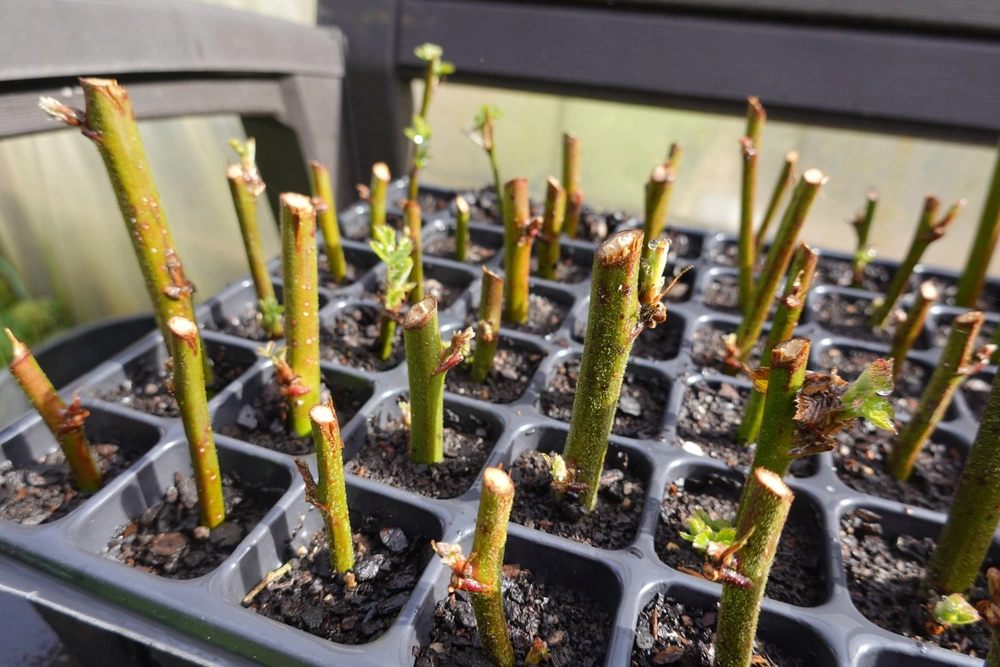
(189, 389)
(482, 573)
(864, 253)
(571, 181)
(910, 324)
(300, 276)
(326, 219)
(66, 422)
(750, 150)
(427, 363)
(518, 233)
(552, 223)
(461, 228)
(488, 327)
(398, 260)
(970, 285)
(928, 231)
(413, 226)
(959, 359)
(793, 299)
(785, 179)
(329, 493)
(376, 196)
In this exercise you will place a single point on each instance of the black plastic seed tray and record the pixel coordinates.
(60, 564)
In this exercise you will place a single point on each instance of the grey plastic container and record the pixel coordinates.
(120, 614)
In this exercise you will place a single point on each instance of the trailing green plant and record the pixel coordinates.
(928, 230)
(970, 284)
(910, 324)
(427, 361)
(66, 422)
(481, 574)
(246, 186)
(571, 182)
(750, 150)
(552, 222)
(326, 219)
(483, 136)
(461, 228)
(488, 327)
(398, 258)
(413, 221)
(420, 132)
(519, 230)
(327, 492)
(864, 253)
(785, 180)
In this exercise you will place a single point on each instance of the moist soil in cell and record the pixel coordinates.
(513, 368)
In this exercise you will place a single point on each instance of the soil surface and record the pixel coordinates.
(244, 325)
(883, 574)
(167, 540)
(941, 327)
(147, 389)
(613, 522)
(797, 574)
(851, 362)
(861, 456)
(840, 272)
(595, 226)
(312, 597)
(445, 294)
(43, 490)
(989, 298)
(263, 422)
(684, 246)
(385, 457)
(723, 294)
(708, 349)
(544, 316)
(708, 423)
(660, 344)
(443, 245)
(513, 368)
(641, 403)
(354, 273)
(577, 630)
(976, 391)
(847, 315)
(727, 253)
(351, 338)
(569, 269)
(672, 633)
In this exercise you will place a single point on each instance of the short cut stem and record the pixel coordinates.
(519, 231)
(862, 226)
(413, 228)
(909, 327)
(781, 186)
(970, 285)
(461, 228)
(552, 223)
(189, 388)
(571, 182)
(787, 371)
(488, 328)
(377, 194)
(746, 243)
(326, 219)
(423, 351)
(658, 188)
(329, 493)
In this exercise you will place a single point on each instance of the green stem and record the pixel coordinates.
(497, 183)
(674, 156)
(329, 493)
(326, 218)
(571, 181)
(552, 223)
(488, 329)
(862, 225)
(386, 333)
(654, 261)
(658, 187)
(974, 512)
(783, 184)
(489, 546)
(65, 422)
(376, 195)
(423, 351)
(413, 226)
(461, 228)
(778, 258)
(517, 237)
(927, 232)
(957, 358)
(189, 389)
(970, 285)
(787, 371)
(300, 277)
(910, 326)
(793, 300)
(414, 188)
(612, 324)
(746, 247)
(766, 503)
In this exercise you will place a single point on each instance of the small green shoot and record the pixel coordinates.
(396, 253)
(953, 610)
(710, 537)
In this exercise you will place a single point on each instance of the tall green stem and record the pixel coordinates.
(927, 232)
(750, 148)
(65, 422)
(552, 223)
(300, 276)
(326, 218)
(957, 362)
(910, 326)
(189, 388)
(376, 196)
(571, 181)
(612, 324)
(519, 231)
(793, 299)
(783, 185)
(778, 258)
(864, 253)
(764, 509)
(488, 328)
(462, 228)
(658, 188)
(413, 226)
(489, 546)
(974, 512)
(970, 285)
(787, 371)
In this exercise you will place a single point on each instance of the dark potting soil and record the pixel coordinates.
(942, 327)
(245, 325)
(43, 490)
(576, 629)
(544, 316)
(672, 633)
(595, 226)
(883, 575)
(861, 457)
(263, 422)
(385, 457)
(445, 294)
(724, 253)
(443, 245)
(708, 348)
(312, 597)
(431, 203)
(613, 522)
(708, 423)
(847, 315)
(723, 293)
(988, 301)
(660, 344)
(797, 574)
(851, 362)
(840, 272)
(147, 389)
(513, 368)
(353, 274)
(569, 270)
(167, 540)
(359, 231)
(976, 391)
(684, 246)
(351, 338)
(641, 403)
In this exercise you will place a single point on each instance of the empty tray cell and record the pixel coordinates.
(514, 366)
(838, 271)
(574, 264)
(708, 348)
(359, 262)
(257, 413)
(686, 244)
(152, 522)
(547, 308)
(446, 283)
(381, 452)
(350, 335)
(35, 483)
(482, 246)
(143, 382)
(236, 314)
(614, 521)
(725, 252)
(846, 313)
(721, 293)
